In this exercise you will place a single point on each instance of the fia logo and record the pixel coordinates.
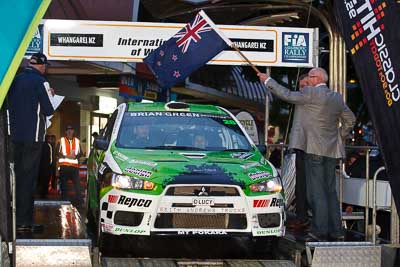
(295, 47)
(295, 40)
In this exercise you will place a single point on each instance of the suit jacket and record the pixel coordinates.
(315, 128)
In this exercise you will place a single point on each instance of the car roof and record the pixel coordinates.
(160, 106)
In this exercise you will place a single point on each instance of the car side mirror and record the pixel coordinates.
(262, 148)
(101, 144)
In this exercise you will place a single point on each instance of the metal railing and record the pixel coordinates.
(394, 237)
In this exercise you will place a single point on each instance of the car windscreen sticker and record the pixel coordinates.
(176, 114)
(138, 172)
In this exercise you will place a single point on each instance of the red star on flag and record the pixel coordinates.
(176, 74)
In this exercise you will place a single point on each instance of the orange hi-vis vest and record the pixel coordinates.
(66, 147)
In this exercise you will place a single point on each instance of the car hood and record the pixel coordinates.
(166, 167)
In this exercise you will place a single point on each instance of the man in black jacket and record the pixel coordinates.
(30, 102)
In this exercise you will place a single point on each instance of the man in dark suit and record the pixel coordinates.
(316, 131)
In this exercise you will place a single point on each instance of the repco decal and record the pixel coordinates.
(260, 203)
(130, 201)
(276, 202)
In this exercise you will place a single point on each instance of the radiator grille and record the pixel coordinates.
(201, 221)
(202, 191)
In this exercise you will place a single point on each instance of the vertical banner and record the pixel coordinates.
(370, 29)
(19, 20)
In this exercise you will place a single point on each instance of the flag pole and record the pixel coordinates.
(248, 61)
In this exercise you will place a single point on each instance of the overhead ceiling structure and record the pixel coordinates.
(227, 88)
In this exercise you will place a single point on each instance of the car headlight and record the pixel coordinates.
(128, 182)
(271, 185)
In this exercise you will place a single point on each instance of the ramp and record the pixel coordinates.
(125, 262)
(344, 254)
(53, 252)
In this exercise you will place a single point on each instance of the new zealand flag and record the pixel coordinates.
(186, 51)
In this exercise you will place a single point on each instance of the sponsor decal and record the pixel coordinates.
(76, 39)
(250, 165)
(269, 231)
(277, 202)
(295, 46)
(120, 156)
(203, 201)
(112, 198)
(259, 175)
(202, 232)
(130, 201)
(107, 227)
(102, 168)
(200, 210)
(128, 230)
(138, 172)
(242, 155)
(176, 114)
(260, 203)
(143, 162)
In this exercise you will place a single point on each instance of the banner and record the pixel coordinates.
(133, 41)
(19, 21)
(370, 30)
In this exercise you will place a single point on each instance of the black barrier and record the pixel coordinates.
(5, 192)
(370, 29)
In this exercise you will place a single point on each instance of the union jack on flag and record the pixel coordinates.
(189, 49)
(191, 32)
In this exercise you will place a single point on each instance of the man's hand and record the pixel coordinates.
(262, 77)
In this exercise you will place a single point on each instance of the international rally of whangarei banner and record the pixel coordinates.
(370, 29)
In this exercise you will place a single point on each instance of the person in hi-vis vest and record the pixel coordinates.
(69, 150)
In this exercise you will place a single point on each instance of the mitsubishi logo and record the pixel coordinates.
(203, 192)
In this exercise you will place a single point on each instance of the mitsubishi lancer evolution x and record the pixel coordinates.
(180, 169)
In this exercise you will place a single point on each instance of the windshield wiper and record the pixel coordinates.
(173, 147)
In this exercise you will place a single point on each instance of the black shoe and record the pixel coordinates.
(36, 228)
(24, 228)
(339, 238)
(310, 237)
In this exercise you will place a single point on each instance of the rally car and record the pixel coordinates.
(181, 169)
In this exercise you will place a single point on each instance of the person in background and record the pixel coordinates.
(53, 143)
(319, 111)
(69, 150)
(199, 141)
(46, 161)
(29, 103)
(301, 220)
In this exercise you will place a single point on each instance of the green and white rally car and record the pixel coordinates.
(181, 169)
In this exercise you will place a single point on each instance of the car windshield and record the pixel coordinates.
(181, 131)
